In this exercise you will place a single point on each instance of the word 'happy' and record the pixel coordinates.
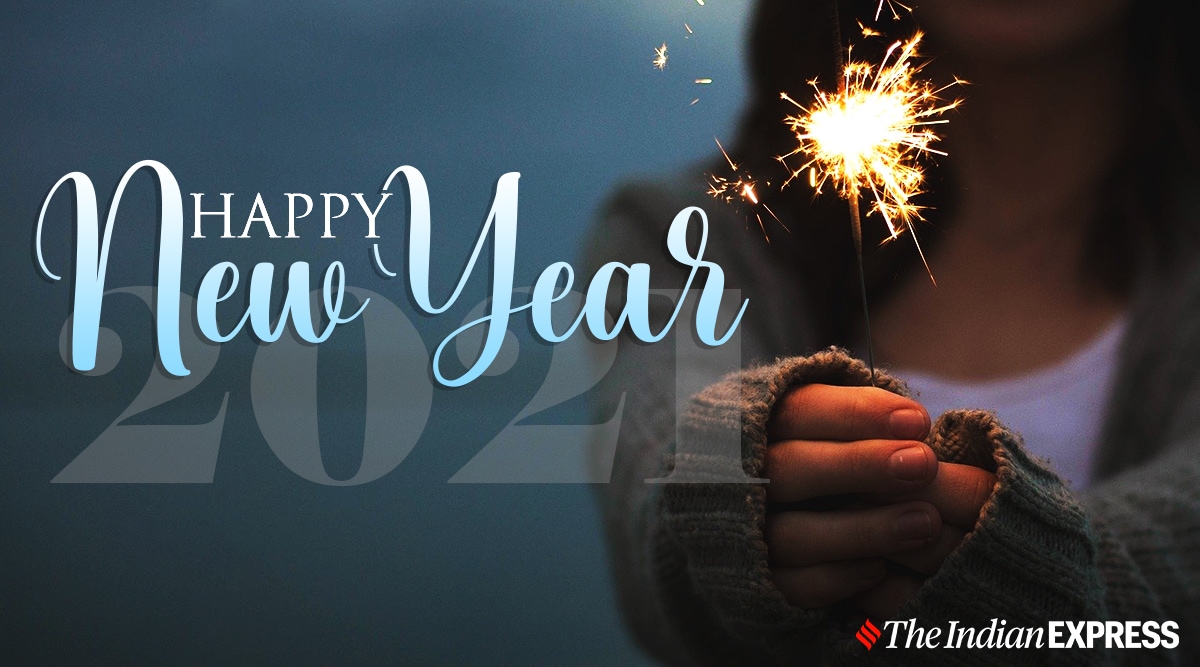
(92, 255)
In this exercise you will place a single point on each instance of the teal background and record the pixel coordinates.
(262, 566)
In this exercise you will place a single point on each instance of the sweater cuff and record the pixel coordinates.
(1031, 557)
(1032, 548)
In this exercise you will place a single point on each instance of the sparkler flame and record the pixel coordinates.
(870, 134)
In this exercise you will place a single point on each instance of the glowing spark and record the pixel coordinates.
(660, 57)
(867, 32)
(740, 186)
(891, 8)
(869, 135)
(703, 82)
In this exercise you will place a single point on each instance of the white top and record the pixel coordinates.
(1058, 410)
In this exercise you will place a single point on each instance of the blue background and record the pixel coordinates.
(262, 565)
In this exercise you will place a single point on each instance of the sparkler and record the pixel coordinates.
(868, 137)
(869, 134)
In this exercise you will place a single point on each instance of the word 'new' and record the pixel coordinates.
(92, 256)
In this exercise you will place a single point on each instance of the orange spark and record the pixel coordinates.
(892, 8)
(660, 57)
(740, 186)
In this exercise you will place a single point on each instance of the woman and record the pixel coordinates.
(1065, 248)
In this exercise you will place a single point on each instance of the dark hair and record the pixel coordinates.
(792, 42)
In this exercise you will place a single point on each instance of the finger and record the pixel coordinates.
(826, 583)
(886, 599)
(826, 412)
(800, 469)
(958, 491)
(797, 539)
(928, 559)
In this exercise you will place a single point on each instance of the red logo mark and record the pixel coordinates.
(868, 634)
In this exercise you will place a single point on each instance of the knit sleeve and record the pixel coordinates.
(668, 612)
(709, 545)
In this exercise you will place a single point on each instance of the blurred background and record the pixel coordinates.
(262, 565)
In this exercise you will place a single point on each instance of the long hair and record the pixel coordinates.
(791, 42)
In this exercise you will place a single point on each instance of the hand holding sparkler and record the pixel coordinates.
(830, 442)
(861, 446)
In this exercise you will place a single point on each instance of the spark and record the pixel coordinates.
(868, 32)
(740, 186)
(891, 8)
(869, 135)
(703, 81)
(660, 57)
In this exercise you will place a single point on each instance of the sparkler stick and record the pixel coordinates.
(855, 218)
(856, 232)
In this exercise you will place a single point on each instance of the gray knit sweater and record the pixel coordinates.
(690, 561)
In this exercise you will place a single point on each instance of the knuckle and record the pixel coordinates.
(773, 461)
(868, 537)
(861, 460)
(771, 534)
(783, 536)
(859, 412)
(785, 464)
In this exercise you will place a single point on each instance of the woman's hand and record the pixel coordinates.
(860, 446)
